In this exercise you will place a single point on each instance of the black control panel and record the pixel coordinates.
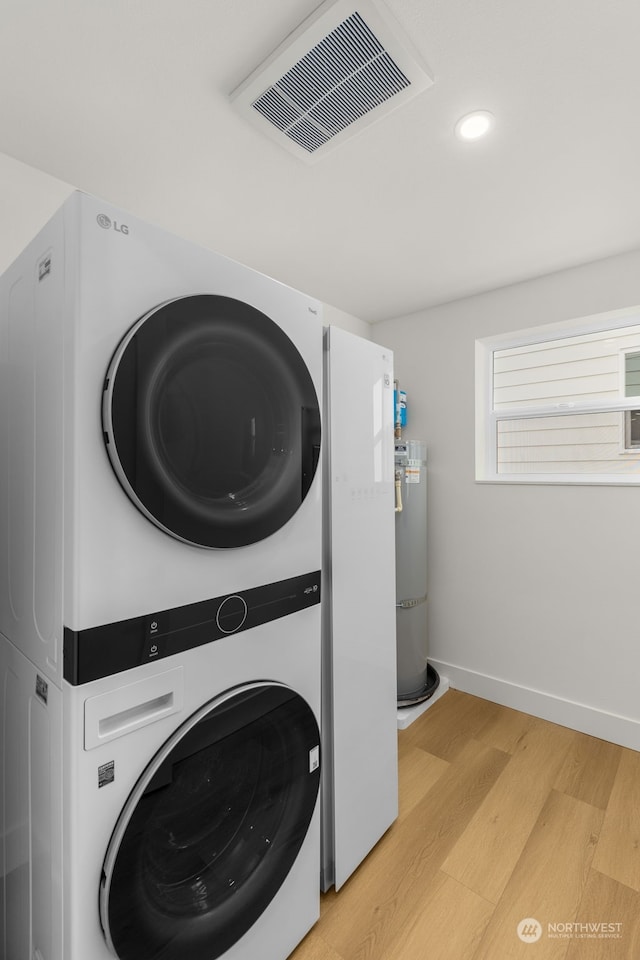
(110, 648)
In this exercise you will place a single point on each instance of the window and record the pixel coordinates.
(561, 403)
(632, 389)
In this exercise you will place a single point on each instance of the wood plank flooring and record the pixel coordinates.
(503, 818)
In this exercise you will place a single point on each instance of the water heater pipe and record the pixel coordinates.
(398, 486)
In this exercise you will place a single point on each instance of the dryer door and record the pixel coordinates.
(211, 421)
(212, 828)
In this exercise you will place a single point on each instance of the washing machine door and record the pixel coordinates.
(212, 828)
(211, 421)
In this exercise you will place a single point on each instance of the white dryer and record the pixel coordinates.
(159, 428)
(169, 811)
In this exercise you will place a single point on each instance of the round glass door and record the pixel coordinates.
(211, 421)
(212, 828)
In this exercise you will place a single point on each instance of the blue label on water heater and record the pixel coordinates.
(400, 401)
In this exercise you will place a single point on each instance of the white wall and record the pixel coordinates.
(533, 589)
(28, 198)
(332, 316)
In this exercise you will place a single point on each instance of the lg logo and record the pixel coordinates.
(107, 223)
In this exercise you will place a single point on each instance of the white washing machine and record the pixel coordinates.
(168, 811)
(159, 429)
(160, 514)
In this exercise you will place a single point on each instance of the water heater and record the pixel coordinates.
(416, 679)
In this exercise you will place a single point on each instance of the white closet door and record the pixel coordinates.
(360, 679)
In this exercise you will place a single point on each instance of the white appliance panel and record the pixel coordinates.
(31, 451)
(361, 798)
(30, 809)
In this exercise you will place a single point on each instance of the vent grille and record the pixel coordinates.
(340, 80)
(338, 72)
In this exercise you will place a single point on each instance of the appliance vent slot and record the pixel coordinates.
(341, 79)
(351, 66)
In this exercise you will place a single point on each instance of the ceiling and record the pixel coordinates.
(130, 101)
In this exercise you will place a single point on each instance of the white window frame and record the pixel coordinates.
(625, 428)
(487, 418)
(627, 449)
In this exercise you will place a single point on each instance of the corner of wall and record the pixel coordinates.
(338, 318)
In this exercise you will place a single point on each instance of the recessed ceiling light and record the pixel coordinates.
(474, 125)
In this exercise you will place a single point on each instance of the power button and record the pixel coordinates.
(154, 643)
(153, 649)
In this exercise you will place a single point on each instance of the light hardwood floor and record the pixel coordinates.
(503, 817)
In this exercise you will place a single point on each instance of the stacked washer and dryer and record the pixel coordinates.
(160, 530)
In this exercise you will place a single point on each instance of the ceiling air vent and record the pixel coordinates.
(341, 70)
